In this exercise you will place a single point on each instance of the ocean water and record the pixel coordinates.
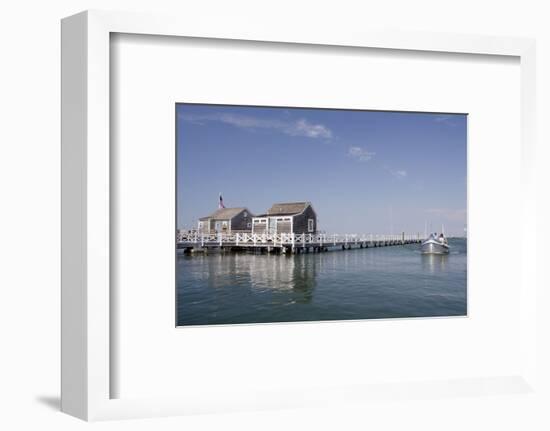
(371, 283)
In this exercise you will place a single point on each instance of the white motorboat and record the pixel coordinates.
(435, 244)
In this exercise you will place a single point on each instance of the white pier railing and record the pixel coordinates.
(244, 239)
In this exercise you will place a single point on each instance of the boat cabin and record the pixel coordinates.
(287, 217)
(226, 220)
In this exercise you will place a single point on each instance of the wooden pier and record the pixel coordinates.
(287, 242)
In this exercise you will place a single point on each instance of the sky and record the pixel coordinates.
(375, 172)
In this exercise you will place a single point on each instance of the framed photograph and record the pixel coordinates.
(374, 181)
(269, 218)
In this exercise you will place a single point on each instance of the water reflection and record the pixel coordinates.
(356, 284)
(295, 275)
(434, 263)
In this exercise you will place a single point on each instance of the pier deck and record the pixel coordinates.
(288, 242)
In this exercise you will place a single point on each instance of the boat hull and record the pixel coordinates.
(434, 247)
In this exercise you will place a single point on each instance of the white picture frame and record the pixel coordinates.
(86, 312)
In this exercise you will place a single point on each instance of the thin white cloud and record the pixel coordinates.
(399, 173)
(246, 122)
(442, 117)
(445, 119)
(396, 173)
(360, 154)
(300, 127)
(304, 128)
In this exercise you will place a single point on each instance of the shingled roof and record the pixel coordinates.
(225, 213)
(287, 208)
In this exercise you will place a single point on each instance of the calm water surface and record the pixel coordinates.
(368, 283)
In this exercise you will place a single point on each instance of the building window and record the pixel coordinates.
(245, 214)
(310, 225)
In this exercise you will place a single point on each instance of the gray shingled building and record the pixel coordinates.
(226, 220)
(286, 217)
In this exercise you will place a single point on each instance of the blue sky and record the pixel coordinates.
(363, 171)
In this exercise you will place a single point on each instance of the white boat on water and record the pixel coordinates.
(435, 245)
